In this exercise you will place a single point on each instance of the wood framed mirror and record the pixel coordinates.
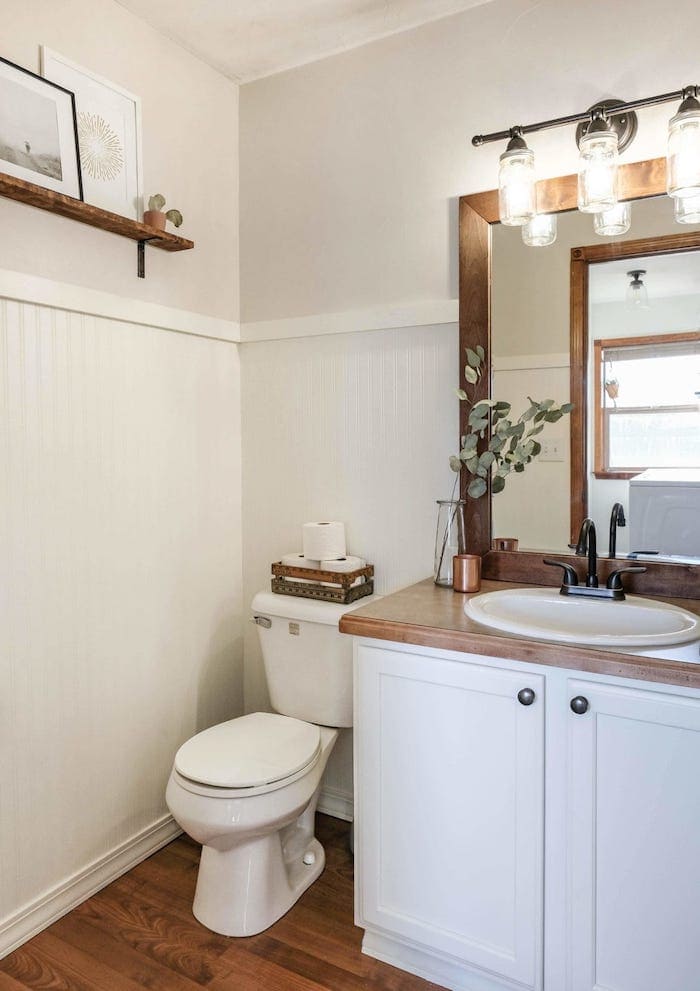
(477, 216)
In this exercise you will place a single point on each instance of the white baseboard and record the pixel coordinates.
(438, 970)
(336, 803)
(37, 915)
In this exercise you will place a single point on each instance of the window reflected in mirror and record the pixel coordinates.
(647, 402)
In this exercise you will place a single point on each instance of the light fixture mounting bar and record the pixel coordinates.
(620, 108)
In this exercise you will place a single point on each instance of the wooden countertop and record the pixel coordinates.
(429, 616)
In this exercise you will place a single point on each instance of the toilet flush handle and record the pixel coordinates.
(263, 621)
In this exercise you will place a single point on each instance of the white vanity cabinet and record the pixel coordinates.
(490, 860)
(634, 840)
(450, 807)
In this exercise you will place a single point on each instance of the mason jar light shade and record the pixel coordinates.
(683, 161)
(687, 209)
(516, 184)
(637, 295)
(597, 171)
(609, 223)
(540, 231)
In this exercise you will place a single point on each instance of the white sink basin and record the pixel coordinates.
(544, 614)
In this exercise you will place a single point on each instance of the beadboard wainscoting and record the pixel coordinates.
(350, 426)
(544, 488)
(120, 590)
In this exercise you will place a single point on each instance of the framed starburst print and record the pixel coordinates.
(109, 135)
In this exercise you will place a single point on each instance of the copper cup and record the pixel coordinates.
(504, 544)
(466, 572)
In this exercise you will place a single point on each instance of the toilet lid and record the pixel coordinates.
(249, 751)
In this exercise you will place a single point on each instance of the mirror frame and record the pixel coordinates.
(477, 213)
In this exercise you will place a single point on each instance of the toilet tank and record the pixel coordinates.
(308, 661)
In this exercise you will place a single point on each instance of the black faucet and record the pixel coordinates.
(617, 518)
(587, 546)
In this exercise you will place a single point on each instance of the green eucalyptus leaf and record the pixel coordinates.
(536, 448)
(476, 488)
(480, 351)
(486, 459)
(496, 443)
(473, 359)
(535, 430)
(470, 375)
(455, 463)
(552, 416)
(498, 484)
(519, 467)
(471, 464)
(461, 394)
(470, 442)
(567, 407)
(547, 404)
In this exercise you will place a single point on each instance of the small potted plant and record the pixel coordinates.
(155, 217)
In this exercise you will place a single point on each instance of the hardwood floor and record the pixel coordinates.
(139, 932)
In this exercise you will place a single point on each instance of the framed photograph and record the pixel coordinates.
(109, 135)
(38, 131)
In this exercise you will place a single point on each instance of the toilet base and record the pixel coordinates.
(268, 870)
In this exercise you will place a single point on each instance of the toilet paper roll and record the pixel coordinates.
(323, 541)
(299, 561)
(343, 564)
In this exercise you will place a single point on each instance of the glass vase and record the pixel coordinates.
(449, 538)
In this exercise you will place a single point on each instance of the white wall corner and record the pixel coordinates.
(59, 900)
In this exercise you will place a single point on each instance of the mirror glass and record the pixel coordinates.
(643, 408)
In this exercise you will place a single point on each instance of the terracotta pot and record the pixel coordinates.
(154, 218)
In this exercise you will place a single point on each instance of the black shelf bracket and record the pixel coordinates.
(141, 256)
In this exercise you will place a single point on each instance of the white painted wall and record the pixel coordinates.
(350, 173)
(120, 618)
(120, 482)
(190, 154)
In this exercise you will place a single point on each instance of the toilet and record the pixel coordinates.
(247, 789)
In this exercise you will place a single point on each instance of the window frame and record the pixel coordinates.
(601, 433)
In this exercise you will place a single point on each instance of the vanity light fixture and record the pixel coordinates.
(597, 165)
(604, 131)
(687, 209)
(612, 223)
(683, 161)
(637, 294)
(540, 231)
(516, 182)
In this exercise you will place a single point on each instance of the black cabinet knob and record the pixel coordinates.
(579, 705)
(526, 696)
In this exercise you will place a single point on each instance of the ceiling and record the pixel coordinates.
(666, 275)
(247, 39)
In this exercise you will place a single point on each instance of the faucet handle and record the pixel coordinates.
(570, 576)
(615, 581)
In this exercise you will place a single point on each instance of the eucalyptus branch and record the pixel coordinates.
(511, 445)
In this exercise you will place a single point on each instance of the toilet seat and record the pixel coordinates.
(258, 752)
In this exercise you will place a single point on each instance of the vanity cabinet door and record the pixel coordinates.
(449, 803)
(634, 840)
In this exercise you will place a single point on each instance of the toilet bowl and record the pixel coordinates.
(247, 789)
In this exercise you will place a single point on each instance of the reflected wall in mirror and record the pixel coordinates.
(642, 369)
(539, 345)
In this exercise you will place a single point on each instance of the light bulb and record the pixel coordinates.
(687, 209)
(597, 170)
(540, 231)
(609, 223)
(637, 295)
(683, 159)
(516, 183)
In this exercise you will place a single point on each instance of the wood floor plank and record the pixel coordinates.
(110, 949)
(139, 933)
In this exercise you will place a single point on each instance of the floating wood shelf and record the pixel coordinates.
(94, 216)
